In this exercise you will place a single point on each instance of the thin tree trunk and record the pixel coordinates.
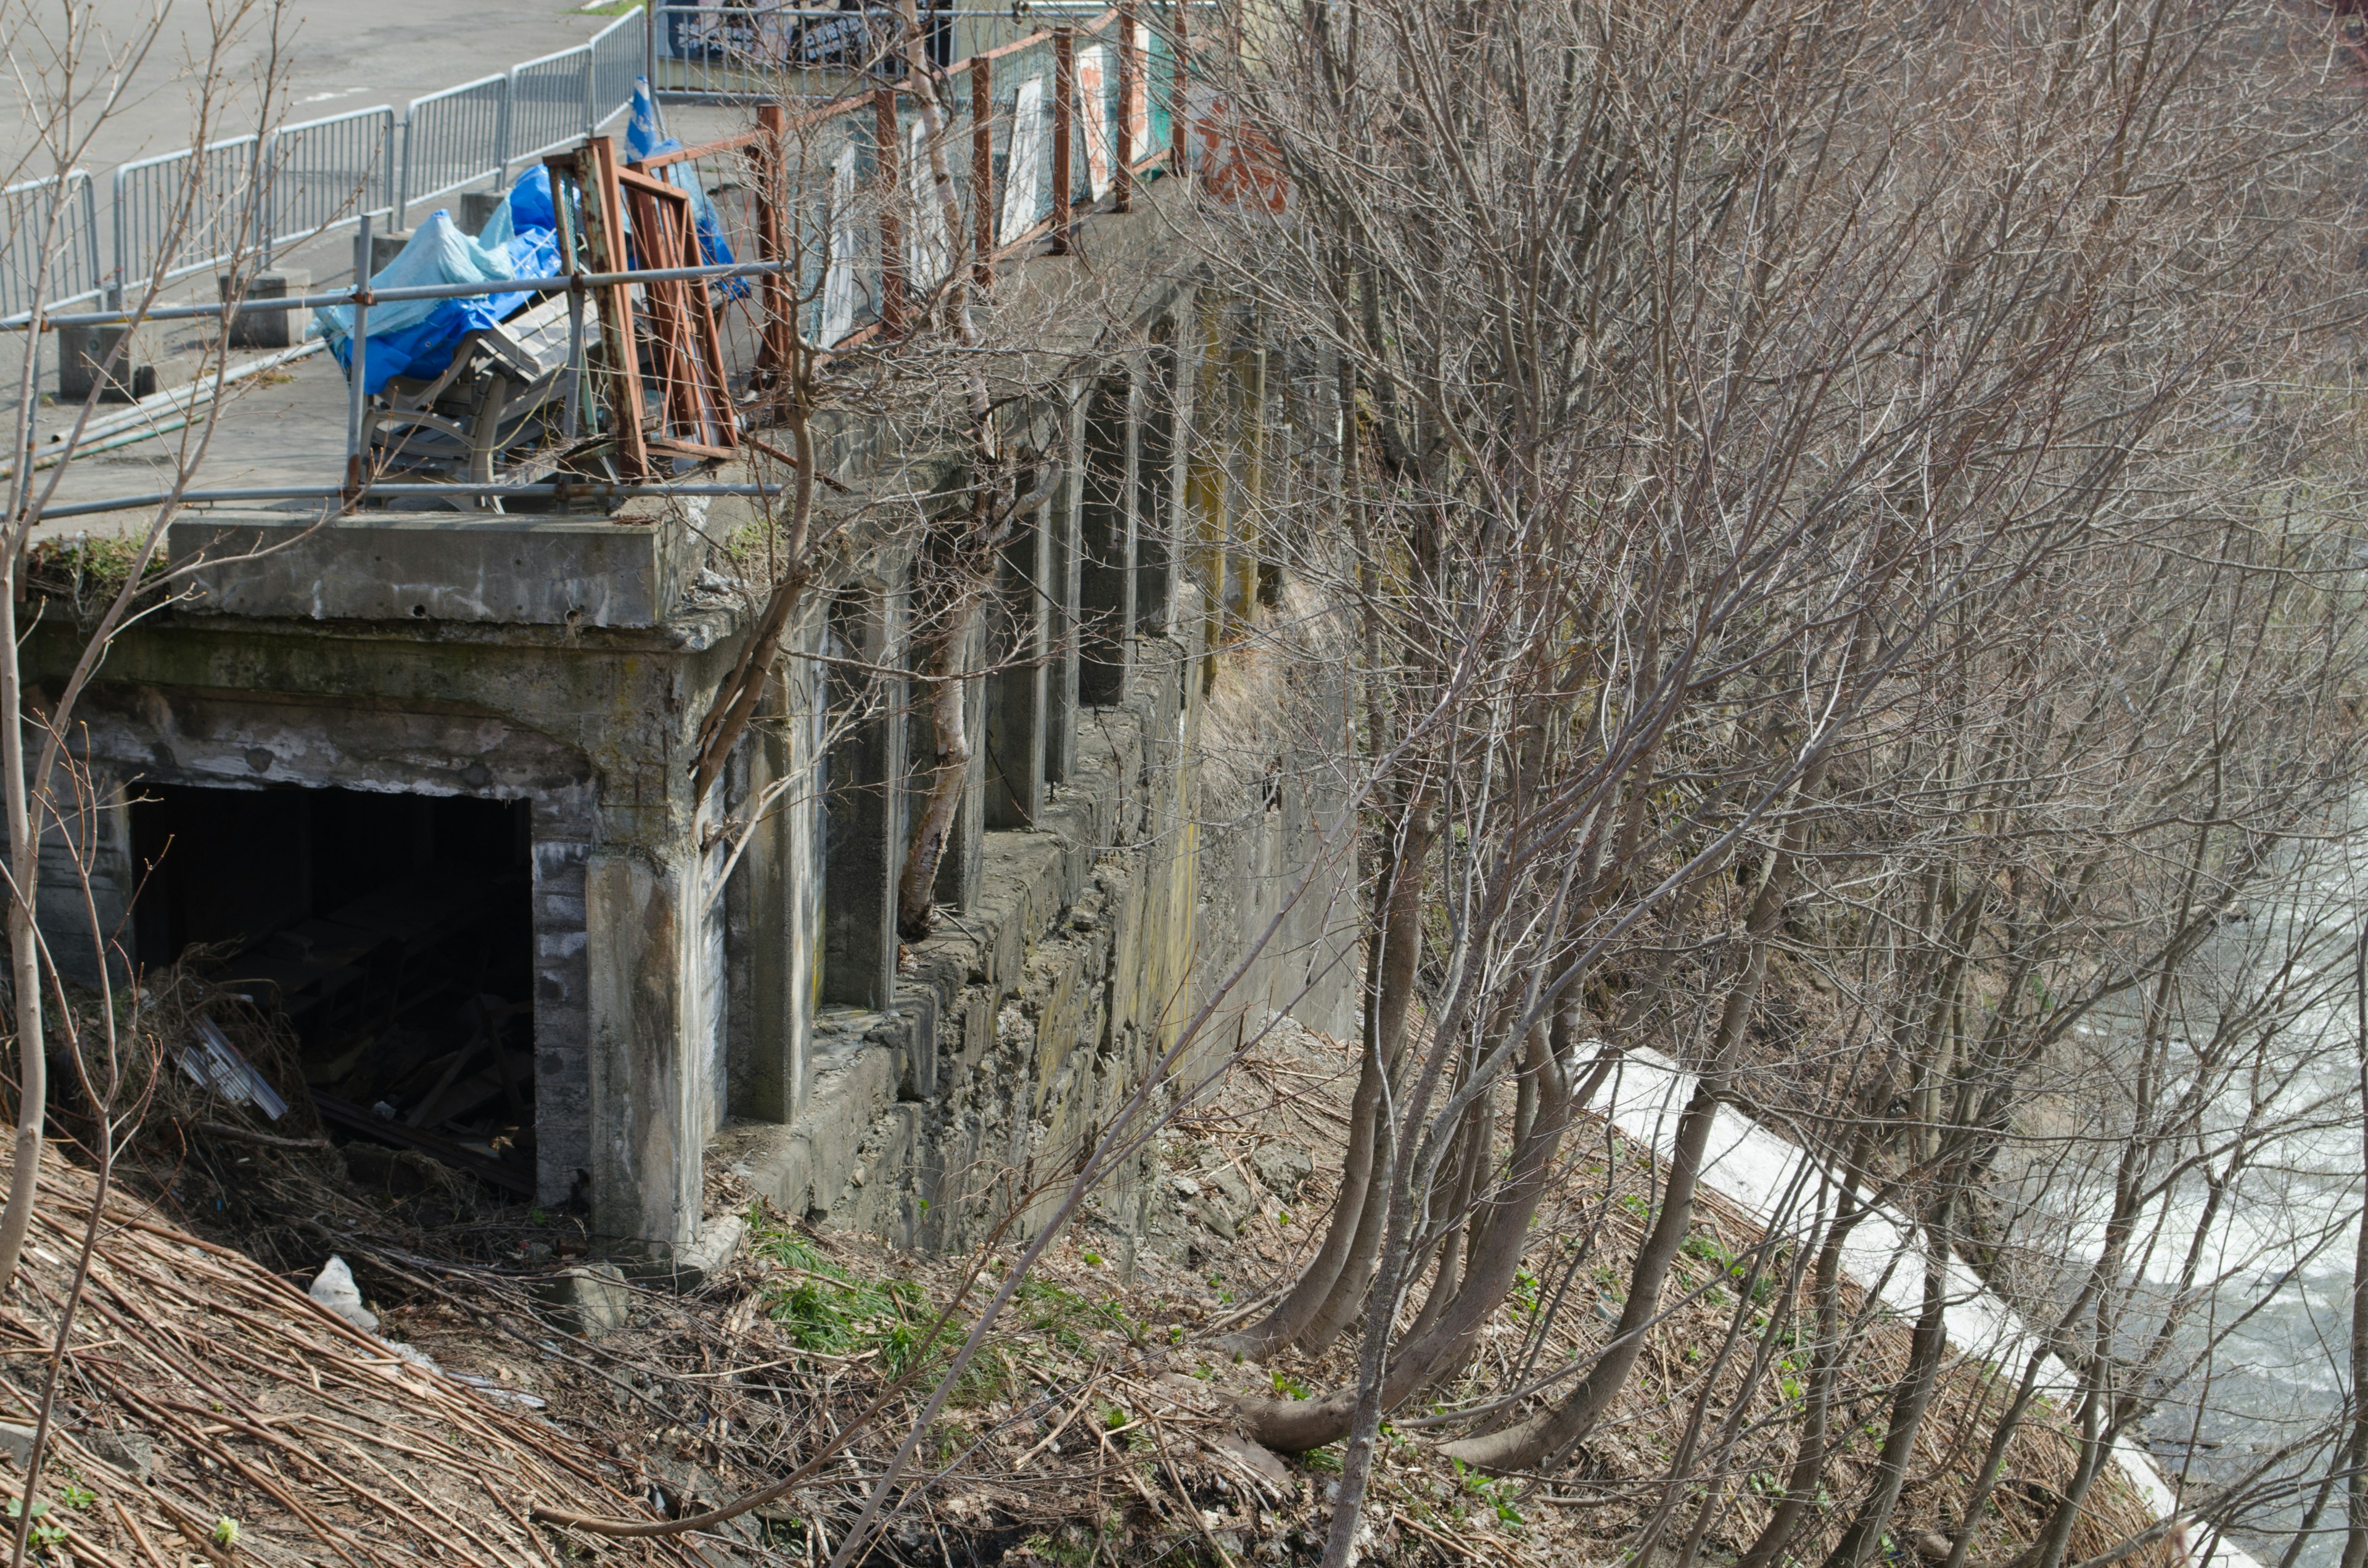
(1389, 995)
(1912, 1398)
(24, 959)
(948, 716)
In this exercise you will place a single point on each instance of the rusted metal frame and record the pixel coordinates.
(670, 354)
(1065, 117)
(692, 357)
(604, 240)
(736, 143)
(769, 153)
(892, 192)
(1130, 86)
(982, 171)
(1181, 48)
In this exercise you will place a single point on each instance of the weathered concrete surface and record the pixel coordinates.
(1094, 965)
(485, 567)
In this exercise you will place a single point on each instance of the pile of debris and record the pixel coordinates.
(196, 1402)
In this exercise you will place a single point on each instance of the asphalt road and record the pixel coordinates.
(322, 56)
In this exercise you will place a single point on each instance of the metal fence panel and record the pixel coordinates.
(551, 102)
(63, 213)
(453, 138)
(218, 185)
(616, 61)
(326, 173)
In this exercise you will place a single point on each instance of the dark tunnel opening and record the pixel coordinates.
(395, 933)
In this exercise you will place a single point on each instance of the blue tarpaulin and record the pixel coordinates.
(645, 137)
(415, 337)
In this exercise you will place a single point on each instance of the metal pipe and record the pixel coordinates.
(358, 371)
(555, 283)
(561, 489)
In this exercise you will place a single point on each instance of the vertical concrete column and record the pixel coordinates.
(1017, 690)
(864, 810)
(1161, 530)
(762, 900)
(1106, 565)
(959, 866)
(1064, 521)
(562, 1069)
(651, 1105)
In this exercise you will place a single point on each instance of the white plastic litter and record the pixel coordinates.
(216, 1065)
(334, 1289)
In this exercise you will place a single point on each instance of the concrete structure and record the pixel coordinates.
(429, 772)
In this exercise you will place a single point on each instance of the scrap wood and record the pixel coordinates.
(254, 1394)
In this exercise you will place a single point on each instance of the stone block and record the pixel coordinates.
(588, 1302)
(82, 353)
(268, 329)
(385, 245)
(689, 1268)
(131, 1452)
(477, 208)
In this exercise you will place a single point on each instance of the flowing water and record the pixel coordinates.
(2263, 1358)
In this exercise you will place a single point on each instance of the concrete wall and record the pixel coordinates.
(1165, 866)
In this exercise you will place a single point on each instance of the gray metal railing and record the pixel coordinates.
(795, 37)
(194, 208)
(149, 195)
(325, 174)
(452, 139)
(68, 213)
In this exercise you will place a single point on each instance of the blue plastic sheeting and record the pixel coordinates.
(415, 337)
(645, 137)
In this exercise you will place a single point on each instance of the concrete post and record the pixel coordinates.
(764, 1076)
(650, 1106)
(1159, 475)
(82, 351)
(864, 821)
(1063, 520)
(1016, 714)
(269, 329)
(1106, 565)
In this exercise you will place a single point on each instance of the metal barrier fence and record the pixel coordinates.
(798, 37)
(326, 173)
(205, 194)
(195, 207)
(453, 138)
(66, 213)
(480, 128)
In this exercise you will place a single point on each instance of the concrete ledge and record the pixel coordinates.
(483, 567)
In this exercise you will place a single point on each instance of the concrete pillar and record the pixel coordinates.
(82, 350)
(270, 329)
(1106, 553)
(563, 1074)
(1159, 469)
(651, 1105)
(1017, 691)
(762, 902)
(865, 813)
(1063, 521)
